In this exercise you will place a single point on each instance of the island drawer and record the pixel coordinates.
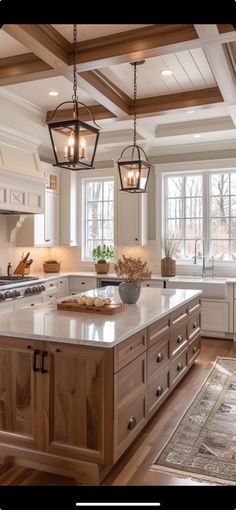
(178, 368)
(194, 305)
(158, 355)
(129, 423)
(179, 316)
(159, 330)
(194, 349)
(179, 339)
(128, 381)
(129, 349)
(157, 391)
(194, 325)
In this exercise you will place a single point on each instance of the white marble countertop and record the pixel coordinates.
(47, 323)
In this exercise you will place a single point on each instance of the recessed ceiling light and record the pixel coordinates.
(196, 136)
(166, 72)
(53, 93)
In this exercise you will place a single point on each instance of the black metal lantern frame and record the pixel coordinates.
(134, 166)
(74, 142)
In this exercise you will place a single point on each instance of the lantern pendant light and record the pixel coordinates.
(74, 142)
(133, 164)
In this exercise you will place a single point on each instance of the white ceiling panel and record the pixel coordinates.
(37, 92)
(9, 47)
(92, 31)
(190, 71)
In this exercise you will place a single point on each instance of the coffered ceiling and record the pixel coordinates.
(195, 105)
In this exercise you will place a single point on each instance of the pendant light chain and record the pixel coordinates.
(75, 97)
(135, 97)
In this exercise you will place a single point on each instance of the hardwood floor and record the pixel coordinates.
(133, 467)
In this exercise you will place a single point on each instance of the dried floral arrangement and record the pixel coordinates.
(132, 269)
(169, 246)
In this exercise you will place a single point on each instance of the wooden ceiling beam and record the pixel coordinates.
(24, 68)
(132, 45)
(150, 106)
(105, 92)
(44, 41)
(66, 114)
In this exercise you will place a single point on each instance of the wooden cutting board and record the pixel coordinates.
(102, 310)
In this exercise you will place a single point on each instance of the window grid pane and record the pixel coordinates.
(184, 219)
(99, 214)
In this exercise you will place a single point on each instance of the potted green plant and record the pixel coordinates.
(101, 254)
(168, 262)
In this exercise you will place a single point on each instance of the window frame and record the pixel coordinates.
(84, 181)
(206, 206)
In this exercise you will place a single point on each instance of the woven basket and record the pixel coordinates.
(54, 267)
(168, 266)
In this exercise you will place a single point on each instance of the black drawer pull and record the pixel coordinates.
(132, 422)
(160, 357)
(44, 354)
(195, 325)
(180, 367)
(179, 339)
(194, 349)
(159, 391)
(36, 353)
(58, 350)
(28, 346)
(83, 283)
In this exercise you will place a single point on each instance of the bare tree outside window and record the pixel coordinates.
(99, 214)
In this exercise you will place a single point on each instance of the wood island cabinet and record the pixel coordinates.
(74, 409)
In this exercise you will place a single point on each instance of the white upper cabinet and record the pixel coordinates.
(18, 153)
(68, 216)
(132, 221)
(44, 229)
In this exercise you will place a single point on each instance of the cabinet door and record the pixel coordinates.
(63, 287)
(132, 219)
(82, 284)
(215, 316)
(18, 392)
(79, 398)
(52, 211)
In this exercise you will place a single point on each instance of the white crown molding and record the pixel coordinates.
(21, 101)
(15, 133)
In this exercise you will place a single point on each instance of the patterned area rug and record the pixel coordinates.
(203, 444)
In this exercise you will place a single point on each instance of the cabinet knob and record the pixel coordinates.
(159, 391)
(136, 239)
(180, 367)
(47, 240)
(58, 350)
(194, 325)
(28, 346)
(132, 422)
(160, 357)
(194, 349)
(179, 339)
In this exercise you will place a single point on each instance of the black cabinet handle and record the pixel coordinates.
(44, 354)
(159, 391)
(36, 353)
(132, 422)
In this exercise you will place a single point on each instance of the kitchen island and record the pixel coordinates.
(76, 388)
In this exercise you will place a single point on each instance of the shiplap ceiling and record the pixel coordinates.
(35, 59)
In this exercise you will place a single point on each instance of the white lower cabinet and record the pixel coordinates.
(215, 316)
(154, 284)
(8, 307)
(63, 287)
(31, 301)
(81, 284)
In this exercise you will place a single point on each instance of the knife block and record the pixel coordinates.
(20, 269)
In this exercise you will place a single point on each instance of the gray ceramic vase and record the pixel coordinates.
(129, 292)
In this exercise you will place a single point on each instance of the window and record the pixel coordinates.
(99, 213)
(201, 205)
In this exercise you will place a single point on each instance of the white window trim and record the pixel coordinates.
(182, 167)
(93, 175)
